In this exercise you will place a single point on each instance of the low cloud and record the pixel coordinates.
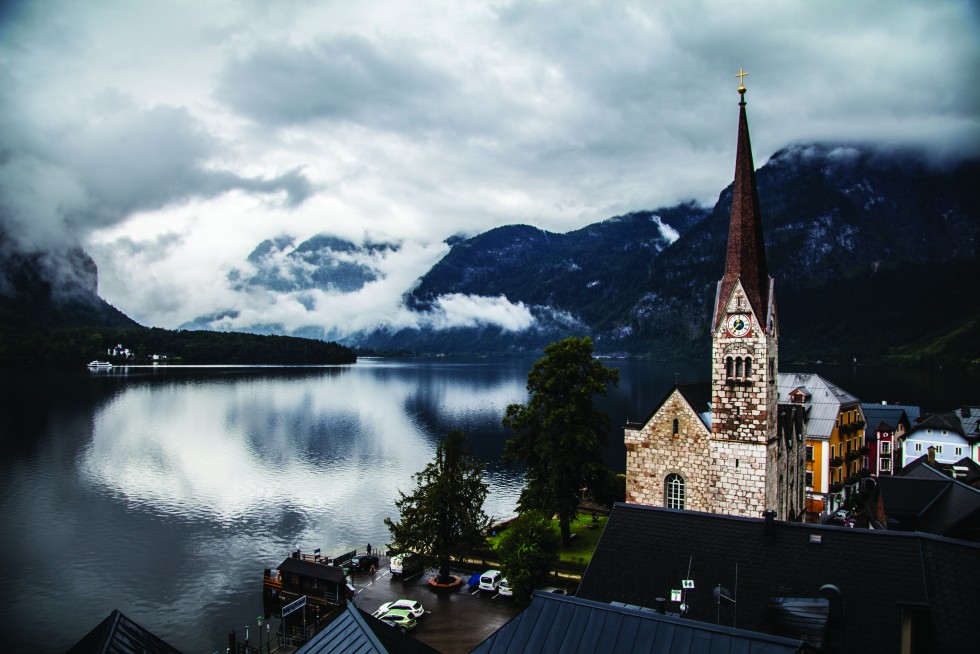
(459, 310)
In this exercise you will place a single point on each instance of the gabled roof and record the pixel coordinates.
(746, 256)
(926, 497)
(117, 634)
(697, 395)
(313, 570)
(889, 415)
(353, 631)
(789, 560)
(942, 422)
(553, 623)
(823, 404)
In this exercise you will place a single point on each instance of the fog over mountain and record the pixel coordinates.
(170, 139)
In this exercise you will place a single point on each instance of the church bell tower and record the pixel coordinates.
(744, 354)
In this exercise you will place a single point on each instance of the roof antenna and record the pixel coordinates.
(676, 378)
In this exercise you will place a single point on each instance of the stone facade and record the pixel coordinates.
(655, 450)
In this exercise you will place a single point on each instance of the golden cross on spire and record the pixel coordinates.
(741, 81)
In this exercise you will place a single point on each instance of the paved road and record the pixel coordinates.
(455, 621)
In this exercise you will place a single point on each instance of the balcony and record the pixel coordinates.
(836, 462)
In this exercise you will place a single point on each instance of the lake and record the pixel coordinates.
(164, 492)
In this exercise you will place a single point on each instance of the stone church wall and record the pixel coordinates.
(653, 452)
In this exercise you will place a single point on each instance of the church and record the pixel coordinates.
(726, 446)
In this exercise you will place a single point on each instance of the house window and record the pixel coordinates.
(918, 447)
(809, 453)
(885, 447)
(958, 451)
(677, 424)
(809, 479)
(738, 367)
(729, 367)
(748, 367)
(939, 449)
(885, 465)
(674, 491)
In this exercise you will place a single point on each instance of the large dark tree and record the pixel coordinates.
(444, 517)
(528, 551)
(560, 432)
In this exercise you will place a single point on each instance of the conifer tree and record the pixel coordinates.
(444, 517)
(560, 432)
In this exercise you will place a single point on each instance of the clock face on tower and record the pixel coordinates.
(738, 324)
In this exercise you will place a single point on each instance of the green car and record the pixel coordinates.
(400, 619)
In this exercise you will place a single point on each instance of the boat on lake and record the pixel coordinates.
(99, 365)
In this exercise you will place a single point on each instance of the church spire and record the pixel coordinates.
(746, 257)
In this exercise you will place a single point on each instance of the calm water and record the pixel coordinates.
(165, 492)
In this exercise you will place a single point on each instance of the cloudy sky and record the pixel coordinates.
(171, 137)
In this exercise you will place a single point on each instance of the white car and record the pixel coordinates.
(505, 589)
(414, 608)
(489, 580)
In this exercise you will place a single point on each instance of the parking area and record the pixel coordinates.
(455, 621)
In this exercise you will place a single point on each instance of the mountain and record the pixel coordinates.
(51, 288)
(51, 315)
(874, 253)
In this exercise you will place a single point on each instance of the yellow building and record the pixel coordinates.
(835, 445)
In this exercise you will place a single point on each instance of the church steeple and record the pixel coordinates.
(746, 256)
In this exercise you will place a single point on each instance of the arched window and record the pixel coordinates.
(748, 367)
(729, 367)
(738, 367)
(674, 495)
(677, 424)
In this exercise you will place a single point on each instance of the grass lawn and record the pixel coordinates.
(581, 549)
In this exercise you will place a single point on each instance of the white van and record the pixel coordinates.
(406, 564)
(490, 580)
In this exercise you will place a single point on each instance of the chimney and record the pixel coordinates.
(661, 605)
(770, 517)
(932, 454)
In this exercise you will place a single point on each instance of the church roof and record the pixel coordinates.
(746, 257)
(696, 394)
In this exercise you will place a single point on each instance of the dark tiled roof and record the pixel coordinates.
(352, 631)
(117, 634)
(555, 624)
(746, 258)
(889, 415)
(313, 570)
(926, 497)
(941, 421)
(878, 573)
(696, 394)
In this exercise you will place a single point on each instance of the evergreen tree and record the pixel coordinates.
(560, 431)
(528, 550)
(444, 517)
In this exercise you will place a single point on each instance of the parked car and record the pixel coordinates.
(414, 608)
(490, 580)
(399, 619)
(364, 562)
(406, 564)
(842, 515)
(553, 589)
(504, 588)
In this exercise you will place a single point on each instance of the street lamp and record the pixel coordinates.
(260, 619)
